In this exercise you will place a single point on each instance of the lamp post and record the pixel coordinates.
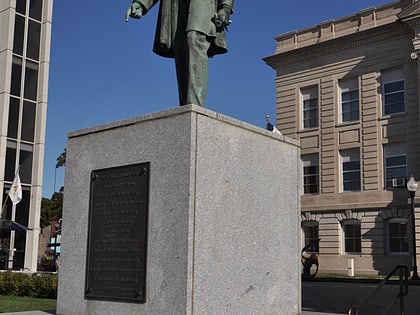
(412, 187)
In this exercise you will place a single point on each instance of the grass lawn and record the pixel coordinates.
(20, 304)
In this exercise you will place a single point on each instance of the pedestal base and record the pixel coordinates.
(223, 215)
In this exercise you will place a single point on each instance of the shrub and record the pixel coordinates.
(45, 285)
(36, 285)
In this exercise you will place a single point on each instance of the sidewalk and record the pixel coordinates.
(317, 313)
(49, 313)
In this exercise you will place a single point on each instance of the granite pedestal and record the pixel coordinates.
(223, 215)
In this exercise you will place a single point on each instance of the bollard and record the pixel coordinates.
(350, 267)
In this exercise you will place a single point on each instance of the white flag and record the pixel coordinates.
(15, 192)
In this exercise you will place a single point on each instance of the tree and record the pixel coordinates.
(61, 159)
(61, 162)
(51, 209)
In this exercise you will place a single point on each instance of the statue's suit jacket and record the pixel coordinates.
(200, 18)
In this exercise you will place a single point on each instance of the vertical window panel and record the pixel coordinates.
(310, 113)
(395, 162)
(311, 234)
(9, 172)
(310, 173)
(31, 80)
(35, 9)
(350, 170)
(352, 236)
(397, 235)
(21, 6)
(25, 161)
(19, 34)
(16, 76)
(22, 208)
(393, 91)
(349, 100)
(28, 121)
(20, 243)
(33, 43)
(13, 121)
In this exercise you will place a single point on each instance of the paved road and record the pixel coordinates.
(339, 297)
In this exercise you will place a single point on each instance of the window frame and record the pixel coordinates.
(314, 237)
(349, 86)
(309, 107)
(356, 239)
(392, 151)
(310, 161)
(400, 221)
(388, 78)
(348, 157)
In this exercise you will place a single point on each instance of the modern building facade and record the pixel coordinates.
(348, 89)
(25, 33)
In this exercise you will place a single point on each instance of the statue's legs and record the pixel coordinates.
(192, 67)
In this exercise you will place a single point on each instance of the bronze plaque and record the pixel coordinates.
(117, 239)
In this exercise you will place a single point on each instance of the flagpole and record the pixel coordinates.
(12, 239)
(4, 206)
(15, 195)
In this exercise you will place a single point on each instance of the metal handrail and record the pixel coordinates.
(403, 284)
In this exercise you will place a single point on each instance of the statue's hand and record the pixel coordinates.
(135, 11)
(222, 19)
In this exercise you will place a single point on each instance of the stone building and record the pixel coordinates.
(348, 89)
(25, 33)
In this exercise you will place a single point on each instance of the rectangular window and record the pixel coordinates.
(311, 234)
(33, 42)
(21, 6)
(395, 161)
(310, 173)
(393, 91)
(28, 121)
(310, 107)
(350, 167)
(19, 34)
(31, 80)
(9, 171)
(13, 121)
(397, 235)
(16, 76)
(35, 9)
(352, 236)
(349, 96)
(25, 161)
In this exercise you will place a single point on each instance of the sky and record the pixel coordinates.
(102, 69)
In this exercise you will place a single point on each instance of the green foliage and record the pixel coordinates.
(51, 209)
(61, 159)
(45, 285)
(20, 284)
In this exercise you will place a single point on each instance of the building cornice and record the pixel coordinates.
(366, 19)
(370, 37)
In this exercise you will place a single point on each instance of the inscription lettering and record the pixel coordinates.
(117, 233)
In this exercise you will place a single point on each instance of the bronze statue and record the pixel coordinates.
(190, 31)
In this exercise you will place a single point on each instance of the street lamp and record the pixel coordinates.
(412, 187)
